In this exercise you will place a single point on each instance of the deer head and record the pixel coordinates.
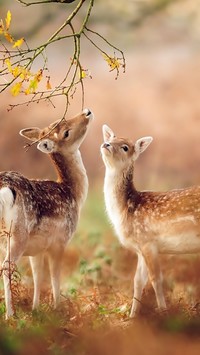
(62, 135)
(119, 153)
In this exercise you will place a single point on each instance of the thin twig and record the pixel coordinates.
(44, 2)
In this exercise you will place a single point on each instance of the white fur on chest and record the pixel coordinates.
(112, 207)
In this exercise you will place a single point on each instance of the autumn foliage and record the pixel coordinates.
(17, 59)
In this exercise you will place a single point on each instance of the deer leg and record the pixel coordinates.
(14, 252)
(140, 280)
(150, 254)
(55, 263)
(37, 265)
(7, 289)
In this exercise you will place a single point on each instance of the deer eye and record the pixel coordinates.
(125, 148)
(66, 134)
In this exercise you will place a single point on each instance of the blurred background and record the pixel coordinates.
(159, 94)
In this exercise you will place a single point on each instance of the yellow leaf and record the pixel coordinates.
(16, 71)
(18, 43)
(27, 91)
(83, 74)
(25, 73)
(38, 76)
(8, 63)
(8, 20)
(16, 89)
(33, 86)
(112, 62)
(8, 37)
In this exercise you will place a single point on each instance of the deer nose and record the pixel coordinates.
(87, 112)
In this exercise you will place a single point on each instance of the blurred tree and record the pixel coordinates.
(17, 57)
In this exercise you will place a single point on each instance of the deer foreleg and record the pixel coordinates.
(14, 252)
(140, 280)
(55, 263)
(37, 265)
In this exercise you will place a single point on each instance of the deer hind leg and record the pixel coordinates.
(140, 280)
(55, 262)
(37, 265)
(7, 291)
(14, 252)
(150, 254)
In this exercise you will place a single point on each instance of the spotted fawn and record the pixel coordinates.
(148, 223)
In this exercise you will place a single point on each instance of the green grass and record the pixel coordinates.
(93, 222)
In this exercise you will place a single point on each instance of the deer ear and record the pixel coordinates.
(140, 146)
(32, 133)
(107, 133)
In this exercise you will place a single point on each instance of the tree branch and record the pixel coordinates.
(44, 2)
(17, 62)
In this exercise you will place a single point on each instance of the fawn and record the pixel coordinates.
(41, 215)
(146, 222)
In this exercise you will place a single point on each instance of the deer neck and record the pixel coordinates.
(71, 174)
(119, 188)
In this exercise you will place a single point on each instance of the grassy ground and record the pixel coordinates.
(96, 298)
